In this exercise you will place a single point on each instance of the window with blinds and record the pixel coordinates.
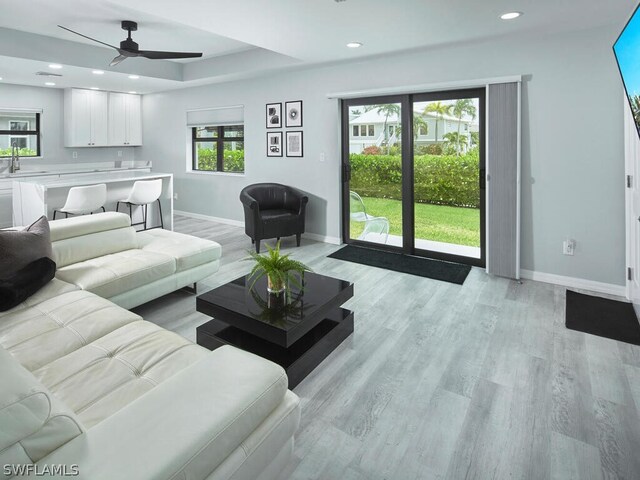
(217, 139)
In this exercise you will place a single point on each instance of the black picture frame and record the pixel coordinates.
(274, 144)
(295, 153)
(273, 115)
(293, 114)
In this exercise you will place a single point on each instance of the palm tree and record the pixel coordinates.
(462, 107)
(418, 122)
(475, 139)
(440, 109)
(454, 139)
(387, 109)
(635, 108)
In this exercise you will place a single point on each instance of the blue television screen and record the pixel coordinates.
(627, 52)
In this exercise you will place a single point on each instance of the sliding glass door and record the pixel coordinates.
(413, 174)
(374, 152)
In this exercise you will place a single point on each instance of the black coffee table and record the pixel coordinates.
(297, 334)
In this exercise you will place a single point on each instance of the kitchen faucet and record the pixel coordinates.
(15, 158)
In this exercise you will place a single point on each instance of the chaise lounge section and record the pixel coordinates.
(104, 254)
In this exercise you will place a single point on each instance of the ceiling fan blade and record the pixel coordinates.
(117, 60)
(155, 55)
(92, 39)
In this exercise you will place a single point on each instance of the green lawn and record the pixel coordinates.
(439, 223)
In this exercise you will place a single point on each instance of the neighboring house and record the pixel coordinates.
(367, 129)
(15, 122)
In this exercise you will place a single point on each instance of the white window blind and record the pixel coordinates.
(216, 116)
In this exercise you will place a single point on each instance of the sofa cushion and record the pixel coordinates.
(87, 224)
(102, 377)
(18, 248)
(52, 289)
(187, 250)
(78, 249)
(25, 282)
(110, 275)
(34, 422)
(57, 326)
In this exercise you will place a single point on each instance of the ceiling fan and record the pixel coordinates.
(129, 48)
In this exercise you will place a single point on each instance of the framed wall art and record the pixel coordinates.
(274, 144)
(294, 144)
(293, 114)
(274, 115)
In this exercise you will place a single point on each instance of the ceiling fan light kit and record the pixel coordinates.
(128, 48)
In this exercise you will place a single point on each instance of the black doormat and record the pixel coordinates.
(398, 262)
(602, 317)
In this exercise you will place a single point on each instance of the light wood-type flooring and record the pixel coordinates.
(441, 381)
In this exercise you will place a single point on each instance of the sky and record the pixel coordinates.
(627, 50)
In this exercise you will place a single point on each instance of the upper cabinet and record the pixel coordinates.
(125, 119)
(101, 119)
(85, 118)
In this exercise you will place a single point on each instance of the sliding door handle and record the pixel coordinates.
(483, 179)
(346, 172)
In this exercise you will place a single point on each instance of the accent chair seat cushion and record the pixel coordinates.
(277, 215)
(119, 272)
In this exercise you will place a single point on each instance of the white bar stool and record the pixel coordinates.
(82, 200)
(143, 193)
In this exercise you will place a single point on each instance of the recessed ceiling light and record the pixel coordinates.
(134, 77)
(55, 66)
(98, 72)
(0, 78)
(133, 92)
(510, 15)
(50, 84)
(354, 44)
(94, 88)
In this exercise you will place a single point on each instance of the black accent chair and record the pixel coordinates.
(272, 210)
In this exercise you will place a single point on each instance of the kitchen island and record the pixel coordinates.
(34, 197)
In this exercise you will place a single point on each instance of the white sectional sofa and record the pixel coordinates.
(92, 386)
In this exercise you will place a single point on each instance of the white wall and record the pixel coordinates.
(573, 166)
(51, 102)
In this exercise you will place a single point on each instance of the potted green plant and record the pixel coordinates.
(279, 269)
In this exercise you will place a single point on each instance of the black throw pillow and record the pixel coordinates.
(25, 282)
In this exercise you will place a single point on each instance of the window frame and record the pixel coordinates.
(219, 142)
(23, 134)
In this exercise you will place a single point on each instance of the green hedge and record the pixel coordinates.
(233, 160)
(23, 152)
(439, 179)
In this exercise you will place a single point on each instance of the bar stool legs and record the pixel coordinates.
(145, 212)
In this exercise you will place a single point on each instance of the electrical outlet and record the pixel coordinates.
(119, 153)
(175, 195)
(322, 157)
(568, 247)
(74, 154)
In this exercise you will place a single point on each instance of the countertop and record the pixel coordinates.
(43, 172)
(68, 180)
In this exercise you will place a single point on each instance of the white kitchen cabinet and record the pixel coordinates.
(125, 119)
(86, 118)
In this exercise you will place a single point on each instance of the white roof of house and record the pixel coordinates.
(372, 116)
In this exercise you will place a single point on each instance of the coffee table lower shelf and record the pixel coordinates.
(299, 359)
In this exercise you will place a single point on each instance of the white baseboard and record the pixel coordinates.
(199, 216)
(237, 223)
(323, 238)
(572, 282)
